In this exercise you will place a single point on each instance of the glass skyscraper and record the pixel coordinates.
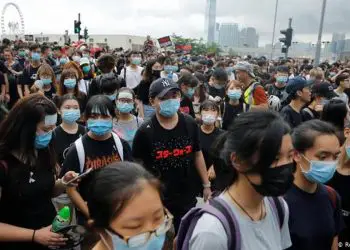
(210, 21)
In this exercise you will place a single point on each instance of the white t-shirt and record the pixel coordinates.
(266, 234)
(84, 86)
(133, 76)
(175, 78)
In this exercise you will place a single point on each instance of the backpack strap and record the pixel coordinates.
(307, 110)
(81, 153)
(278, 208)
(332, 194)
(233, 235)
(119, 145)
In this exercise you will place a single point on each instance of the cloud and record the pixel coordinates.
(183, 17)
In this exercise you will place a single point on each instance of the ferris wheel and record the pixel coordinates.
(11, 27)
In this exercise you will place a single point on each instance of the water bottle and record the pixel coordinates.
(61, 220)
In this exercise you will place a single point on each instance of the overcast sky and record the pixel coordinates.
(183, 17)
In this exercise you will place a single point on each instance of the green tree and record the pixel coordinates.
(199, 47)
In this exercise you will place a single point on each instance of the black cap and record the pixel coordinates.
(161, 86)
(323, 89)
(283, 69)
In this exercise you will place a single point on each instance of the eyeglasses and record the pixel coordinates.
(141, 239)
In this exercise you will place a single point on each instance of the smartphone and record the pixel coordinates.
(80, 176)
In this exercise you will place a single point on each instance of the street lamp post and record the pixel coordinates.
(318, 48)
(273, 32)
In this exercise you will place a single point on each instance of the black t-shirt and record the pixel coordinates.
(206, 143)
(280, 93)
(186, 107)
(216, 92)
(292, 117)
(26, 197)
(313, 220)
(230, 113)
(170, 155)
(309, 114)
(143, 92)
(341, 183)
(62, 141)
(98, 154)
(29, 75)
(50, 93)
(13, 81)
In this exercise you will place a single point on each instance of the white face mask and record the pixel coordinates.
(208, 119)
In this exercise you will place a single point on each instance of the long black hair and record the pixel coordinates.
(335, 112)
(112, 188)
(253, 133)
(18, 130)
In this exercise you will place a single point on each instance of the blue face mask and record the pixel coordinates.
(190, 92)
(229, 70)
(35, 56)
(112, 97)
(168, 108)
(100, 127)
(320, 171)
(70, 83)
(125, 107)
(70, 116)
(218, 86)
(282, 79)
(43, 140)
(136, 60)
(154, 243)
(168, 68)
(234, 94)
(347, 149)
(46, 81)
(86, 69)
(63, 61)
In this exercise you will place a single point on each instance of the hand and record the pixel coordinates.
(47, 238)
(206, 194)
(70, 176)
(211, 173)
(7, 98)
(39, 84)
(217, 99)
(319, 108)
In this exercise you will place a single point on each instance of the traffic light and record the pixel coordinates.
(77, 27)
(86, 34)
(287, 40)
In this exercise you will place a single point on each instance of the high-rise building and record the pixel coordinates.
(249, 38)
(337, 44)
(229, 35)
(210, 21)
(217, 32)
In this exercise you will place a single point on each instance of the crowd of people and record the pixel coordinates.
(175, 151)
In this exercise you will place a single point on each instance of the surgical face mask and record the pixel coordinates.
(218, 86)
(275, 181)
(70, 83)
(229, 70)
(35, 56)
(112, 97)
(22, 53)
(63, 60)
(234, 94)
(190, 92)
(86, 69)
(169, 108)
(76, 58)
(282, 79)
(125, 107)
(154, 243)
(136, 60)
(208, 119)
(46, 81)
(168, 68)
(100, 127)
(320, 171)
(70, 116)
(43, 140)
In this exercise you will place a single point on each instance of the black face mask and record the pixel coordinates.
(275, 181)
(156, 73)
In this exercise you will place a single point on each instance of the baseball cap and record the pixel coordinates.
(84, 60)
(161, 86)
(323, 89)
(297, 83)
(282, 68)
(245, 66)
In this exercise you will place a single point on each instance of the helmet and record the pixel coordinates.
(274, 103)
